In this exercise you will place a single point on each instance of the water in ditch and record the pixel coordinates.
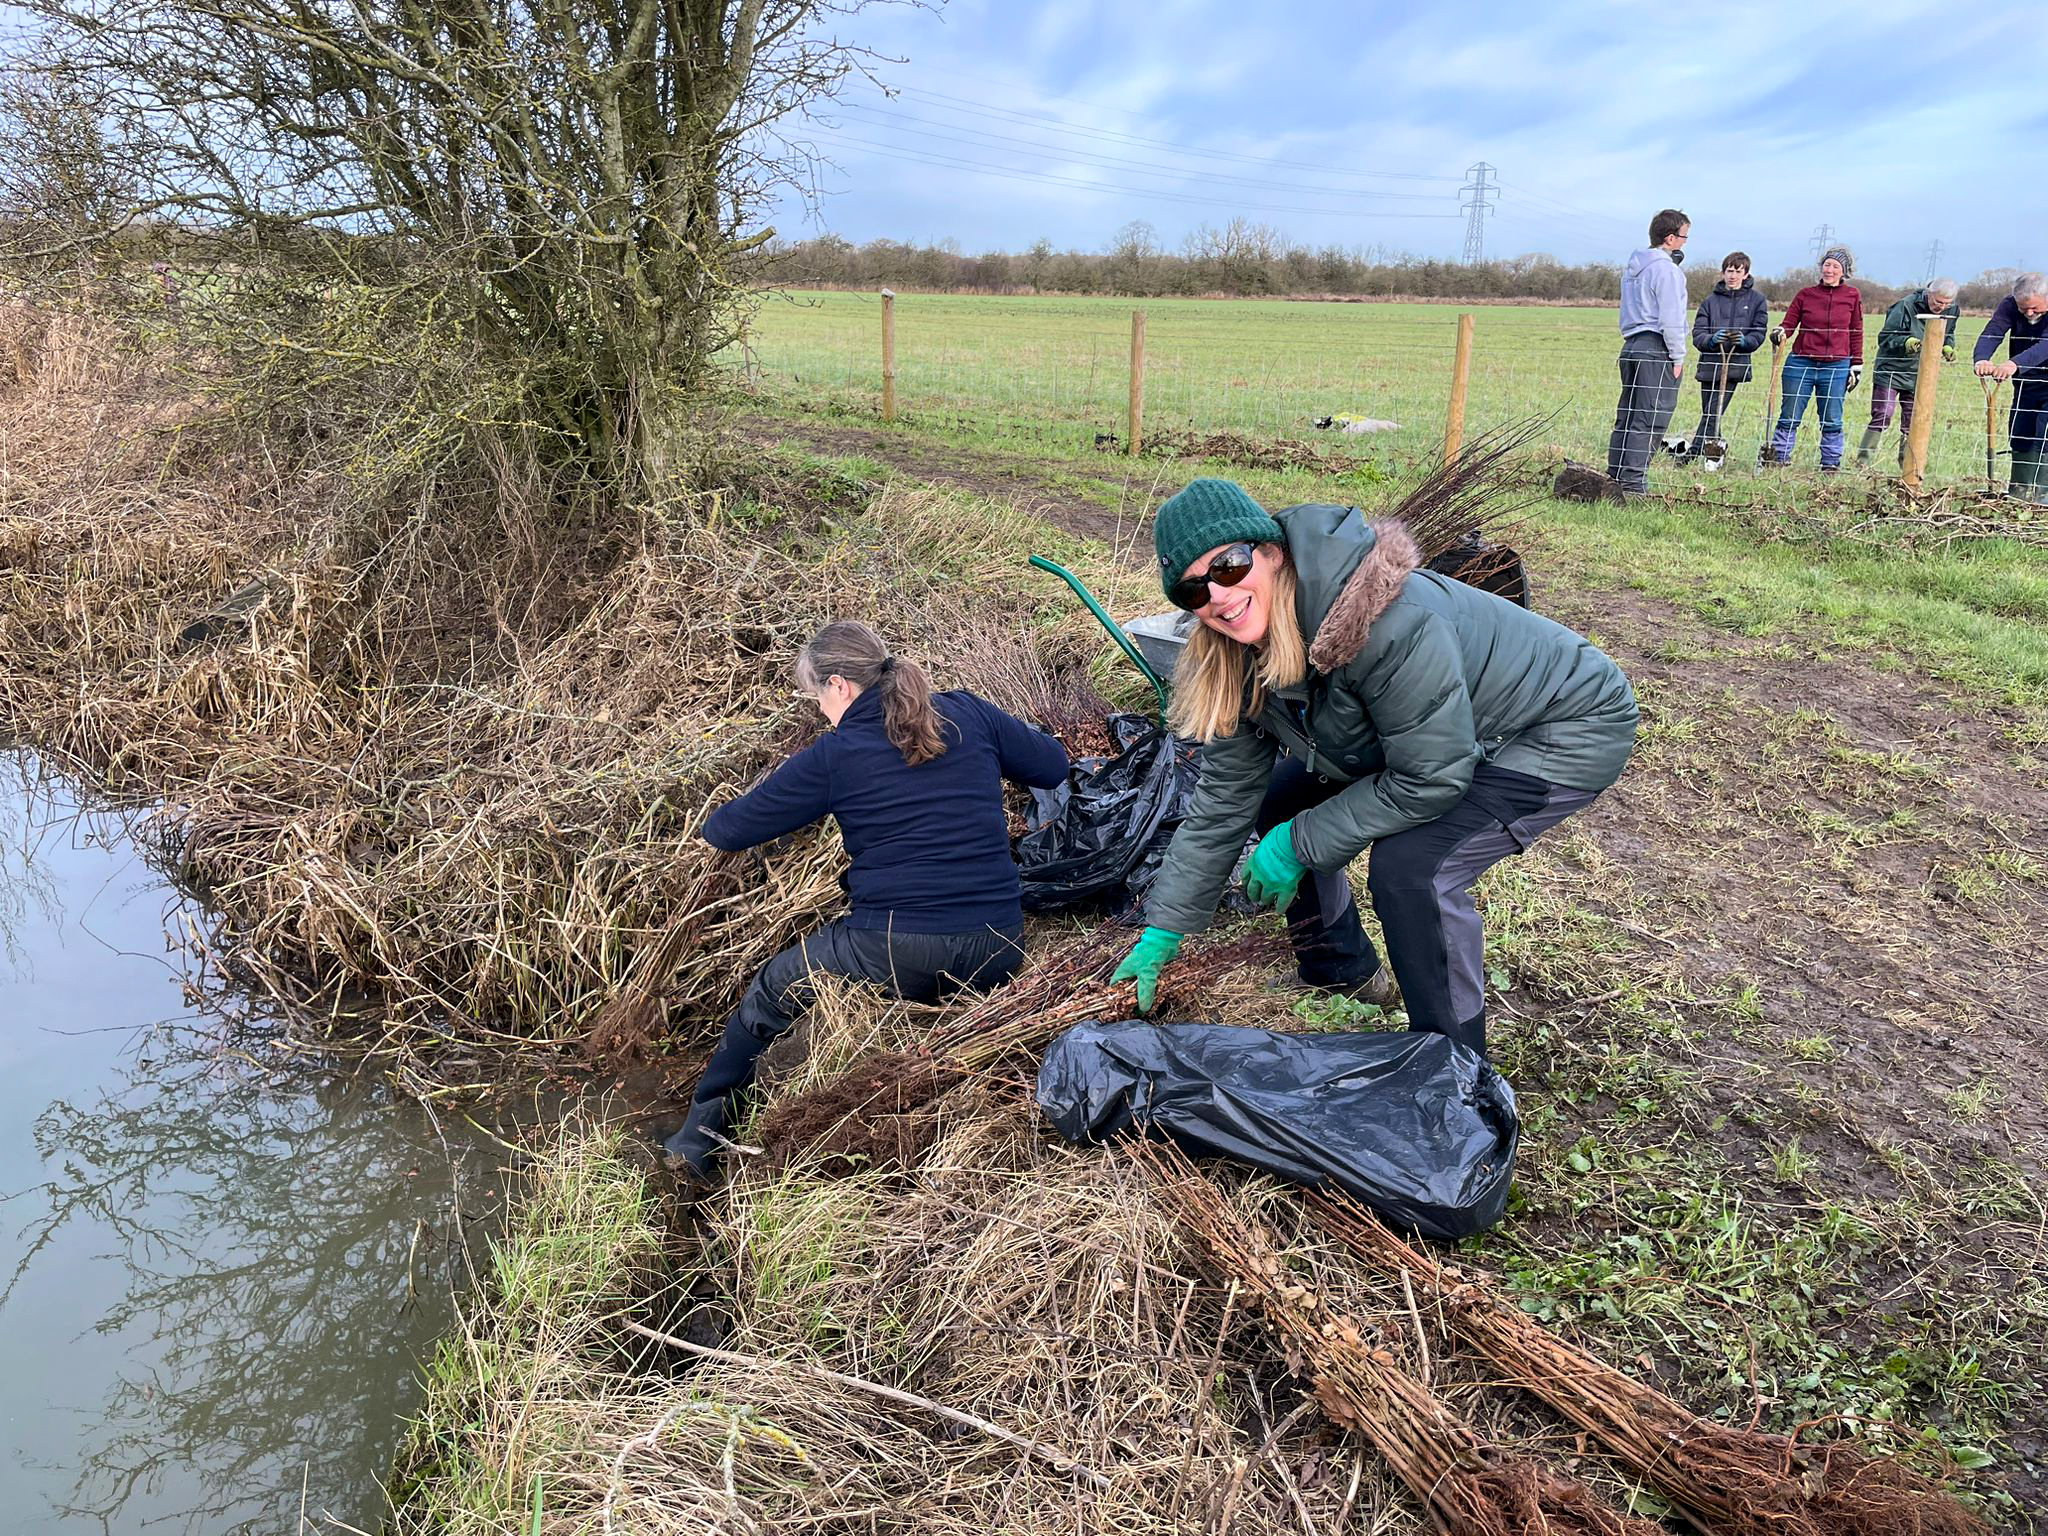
(220, 1266)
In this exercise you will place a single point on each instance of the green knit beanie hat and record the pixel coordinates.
(1208, 512)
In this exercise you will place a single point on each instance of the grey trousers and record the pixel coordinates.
(1649, 394)
(1421, 882)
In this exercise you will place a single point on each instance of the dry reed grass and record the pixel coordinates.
(1006, 1281)
(1741, 1481)
(1470, 1487)
(454, 755)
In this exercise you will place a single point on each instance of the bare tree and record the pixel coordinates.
(564, 185)
(59, 180)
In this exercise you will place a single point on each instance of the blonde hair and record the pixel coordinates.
(1210, 696)
(848, 648)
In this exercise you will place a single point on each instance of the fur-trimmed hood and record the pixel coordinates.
(1375, 581)
(1458, 675)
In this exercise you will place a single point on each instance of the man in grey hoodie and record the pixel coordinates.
(1653, 312)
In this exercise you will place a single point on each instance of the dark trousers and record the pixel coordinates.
(1887, 401)
(1649, 394)
(919, 967)
(1714, 400)
(1421, 882)
(2027, 429)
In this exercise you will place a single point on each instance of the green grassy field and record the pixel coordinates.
(1018, 370)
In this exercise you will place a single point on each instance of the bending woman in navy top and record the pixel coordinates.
(916, 783)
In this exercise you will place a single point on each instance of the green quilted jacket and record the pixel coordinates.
(1413, 679)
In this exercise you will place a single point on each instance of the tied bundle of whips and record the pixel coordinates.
(1469, 1486)
(1744, 1482)
(1470, 497)
(877, 1110)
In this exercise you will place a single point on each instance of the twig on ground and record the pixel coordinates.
(1056, 1459)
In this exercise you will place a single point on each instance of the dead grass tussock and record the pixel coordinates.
(1006, 1279)
(453, 753)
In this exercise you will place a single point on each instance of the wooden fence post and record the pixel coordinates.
(1136, 431)
(1922, 434)
(1461, 373)
(888, 354)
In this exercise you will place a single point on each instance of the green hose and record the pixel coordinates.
(1116, 632)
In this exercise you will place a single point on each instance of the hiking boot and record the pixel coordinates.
(1379, 989)
(695, 1150)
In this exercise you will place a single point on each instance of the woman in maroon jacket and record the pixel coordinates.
(1826, 361)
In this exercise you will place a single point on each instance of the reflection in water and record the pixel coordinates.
(283, 1267)
(27, 890)
(217, 1277)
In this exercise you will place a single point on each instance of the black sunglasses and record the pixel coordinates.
(1229, 567)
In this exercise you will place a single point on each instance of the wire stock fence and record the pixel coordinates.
(1064, 372)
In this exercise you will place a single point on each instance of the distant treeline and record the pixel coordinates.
(1244, 260)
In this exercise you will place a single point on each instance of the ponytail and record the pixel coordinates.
(849, 649)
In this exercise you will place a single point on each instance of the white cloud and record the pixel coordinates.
(1891, 121)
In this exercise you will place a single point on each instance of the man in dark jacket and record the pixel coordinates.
(1652, 350)
(1896, 373)
(2023, 317)
(1732, 323)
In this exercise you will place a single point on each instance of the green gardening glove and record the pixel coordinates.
(1913, 343)
(1274, 874)
(1948, 354)
(1148, 957)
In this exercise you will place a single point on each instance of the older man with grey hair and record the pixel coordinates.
(2021, 321)
(1897, 369)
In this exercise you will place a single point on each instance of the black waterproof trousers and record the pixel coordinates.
(920, 967)
(1421, 882)
(1714, 402)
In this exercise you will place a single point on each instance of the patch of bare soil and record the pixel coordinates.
(1842, 873)
(1867, 856)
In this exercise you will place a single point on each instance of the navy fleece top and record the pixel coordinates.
(930, 844)
(2028, 345)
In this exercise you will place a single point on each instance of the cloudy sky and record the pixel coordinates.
(1897, 124)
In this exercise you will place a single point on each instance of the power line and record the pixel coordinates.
(1090, 131)
(1823, 237)
(984, 168)
(1476, 195)
(980, 104)
(1933, 259)
(982, 138)
(1571, 209)
(1513, 210)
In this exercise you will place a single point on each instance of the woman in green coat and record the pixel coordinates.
(1346, 700)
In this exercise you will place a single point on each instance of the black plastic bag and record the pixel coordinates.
(1101, 835)
(1416, 1126)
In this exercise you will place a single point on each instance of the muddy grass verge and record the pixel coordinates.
(450, 758)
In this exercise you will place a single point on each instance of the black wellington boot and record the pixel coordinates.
(698, 1146)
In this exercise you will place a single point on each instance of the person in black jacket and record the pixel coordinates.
(1732, 323)
(915, 780)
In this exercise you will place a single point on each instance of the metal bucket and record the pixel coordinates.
(1160, 636)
